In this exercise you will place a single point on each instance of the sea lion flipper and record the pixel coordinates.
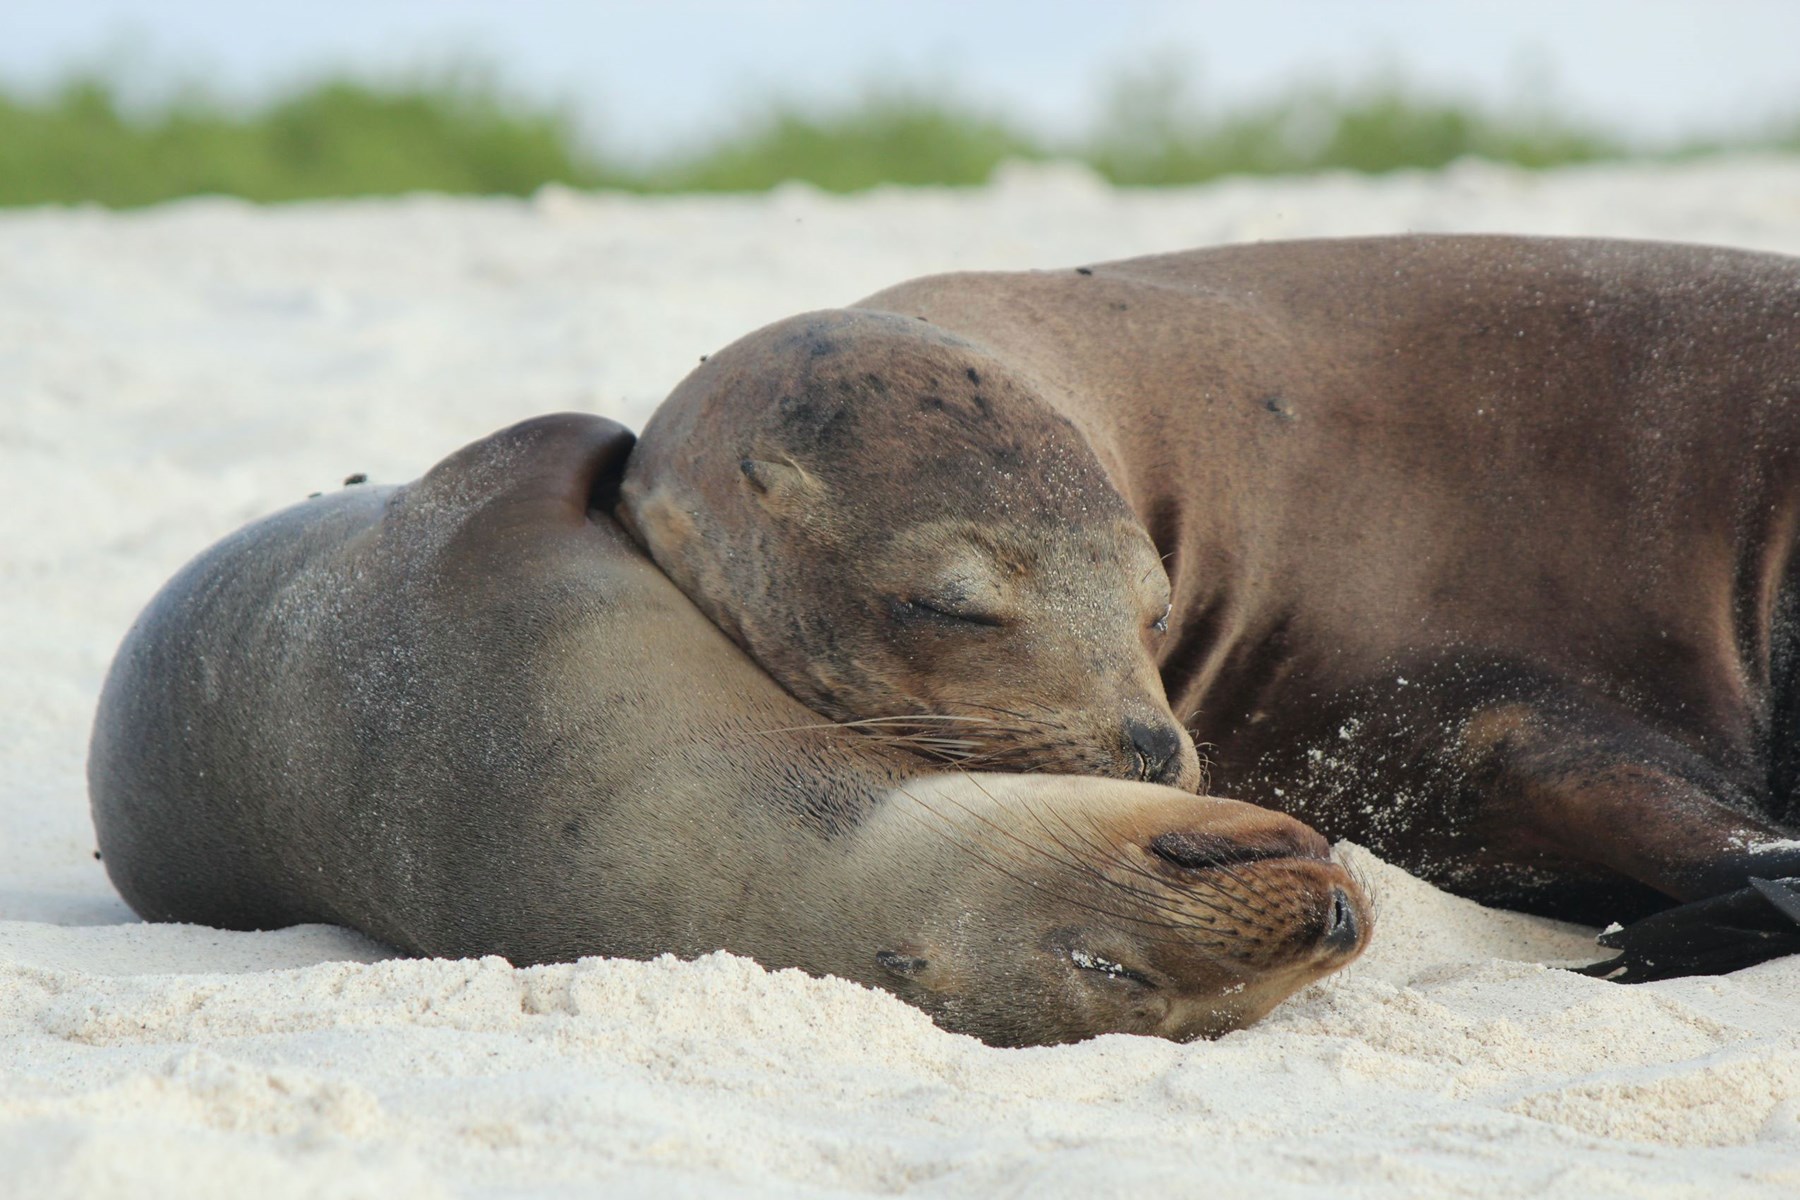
(563, 464)
(1573, 777)
(1713, 936)
(1587, 784)
(1783, 894)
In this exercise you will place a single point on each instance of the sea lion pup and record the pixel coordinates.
(468, 716)
(1480, 548)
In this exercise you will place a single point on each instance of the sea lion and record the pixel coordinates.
(468, 716)
(1480, 549)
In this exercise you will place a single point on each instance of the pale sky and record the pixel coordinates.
(646, 73)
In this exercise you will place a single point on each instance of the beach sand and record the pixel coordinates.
(168, 375)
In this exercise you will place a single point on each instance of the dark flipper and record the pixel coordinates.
(1707, 937)
(1580, 778)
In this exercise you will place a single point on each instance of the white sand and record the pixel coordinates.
(169, 375)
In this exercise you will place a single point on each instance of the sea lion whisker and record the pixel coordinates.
(1205, 894)
(1372, 895)
(999, 829)
(945, 823)
(1249, 899)
(862, 722)
(947, 750)
(987, 759)
(1160, 562)
(1232, 875)
(1116, 855)
(1248, 888)
(1074, 860)
(1036, 885)
(1005, 712)
(1157, 900)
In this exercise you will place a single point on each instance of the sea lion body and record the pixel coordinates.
(467, 716)
(1480, 548)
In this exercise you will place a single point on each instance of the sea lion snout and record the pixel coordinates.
(1083, 906)
(1239, 928)
(1265, 907)
(1162, 752)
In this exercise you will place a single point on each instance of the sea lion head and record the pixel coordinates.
(904, 534)
(1147, 911)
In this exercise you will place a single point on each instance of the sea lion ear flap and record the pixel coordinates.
(783, 487)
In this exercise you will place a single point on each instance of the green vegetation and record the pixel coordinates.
(888, 136)
(1151, 135)
(338, 138)
(460, 132)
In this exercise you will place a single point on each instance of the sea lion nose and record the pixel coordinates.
(1343, 929)
(1158, 749)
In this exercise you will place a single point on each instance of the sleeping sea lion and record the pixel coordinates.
(468, 716)
(1480, 549)
(890, 532)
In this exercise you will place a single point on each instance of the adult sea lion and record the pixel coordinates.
(468, 716)
(1480, 549)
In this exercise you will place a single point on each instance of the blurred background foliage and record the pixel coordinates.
(459, 130)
